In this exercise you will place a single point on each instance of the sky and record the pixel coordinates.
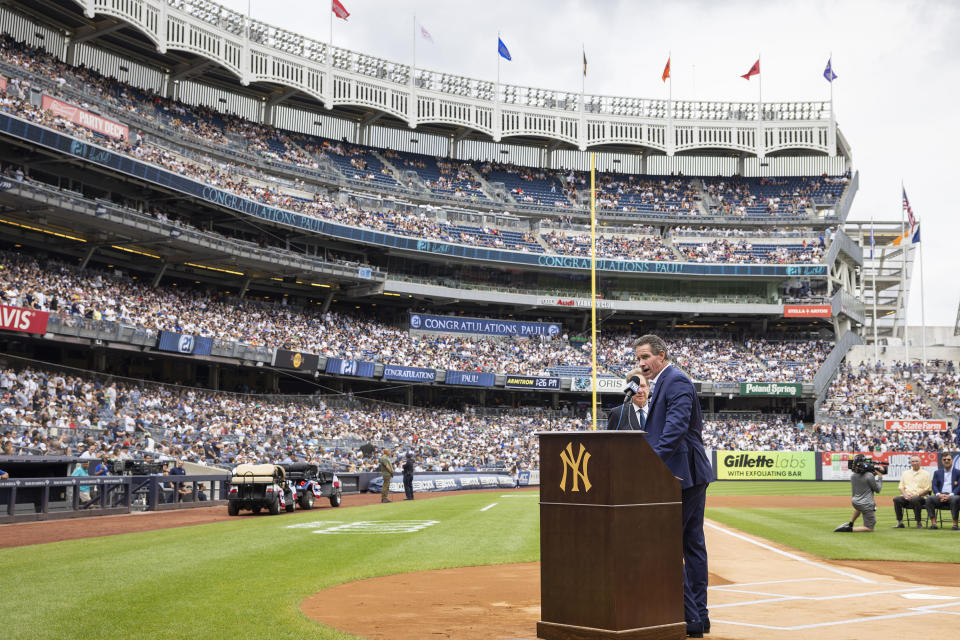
(898, 68)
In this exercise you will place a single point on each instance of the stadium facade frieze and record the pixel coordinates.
(42, 136)
(257, 52)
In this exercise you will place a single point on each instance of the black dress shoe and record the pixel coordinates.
(695, 629)
(706, 624)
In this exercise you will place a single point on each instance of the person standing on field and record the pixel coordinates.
(408, 476)
(386, 471)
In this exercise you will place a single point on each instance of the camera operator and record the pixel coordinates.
(865, 480)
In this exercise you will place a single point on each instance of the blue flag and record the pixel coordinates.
(502, 49)
(916, 235)
(828, 72)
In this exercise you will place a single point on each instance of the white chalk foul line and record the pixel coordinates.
(792, 556)
(489, 506)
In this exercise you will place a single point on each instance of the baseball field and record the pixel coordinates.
(460, 566)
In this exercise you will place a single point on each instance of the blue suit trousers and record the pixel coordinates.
(695, 573)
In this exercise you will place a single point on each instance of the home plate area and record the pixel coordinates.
(364, 527)
(809, 604)
(758, 591)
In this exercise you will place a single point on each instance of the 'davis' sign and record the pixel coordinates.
(790, 389)
(455, 324)
(25, 320)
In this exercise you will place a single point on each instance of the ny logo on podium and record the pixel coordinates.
(577, 467)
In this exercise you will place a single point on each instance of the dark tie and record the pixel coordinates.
(643, 421)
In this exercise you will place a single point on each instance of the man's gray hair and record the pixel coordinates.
(655, 343)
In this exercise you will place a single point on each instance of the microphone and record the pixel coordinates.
(633, 386)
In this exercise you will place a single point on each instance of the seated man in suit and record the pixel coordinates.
(946, 491)
(632, 414)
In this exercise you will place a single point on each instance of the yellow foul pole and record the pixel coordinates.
(593, 286)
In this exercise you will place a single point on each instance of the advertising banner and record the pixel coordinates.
(833, 464)
(408, 374)
(915, 425)
(341, 367)
(483, 326)
(91, 121)
(471, 378)
(789, 389)
(573, 303)
(296, 360)
(604, 385)
(529, 478)
(807, 311)
(446, 482)
(184, 343)
(766, 465)
(532, 382)
(25, 320)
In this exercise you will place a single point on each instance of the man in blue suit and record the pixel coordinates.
(946, 491)
(674, 428)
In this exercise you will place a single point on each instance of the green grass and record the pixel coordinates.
(244, 578)
(811, 530)
(788, 488)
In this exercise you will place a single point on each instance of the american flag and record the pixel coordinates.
(906, 207)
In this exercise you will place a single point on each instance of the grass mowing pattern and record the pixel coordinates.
(811, 530)
(244, 578)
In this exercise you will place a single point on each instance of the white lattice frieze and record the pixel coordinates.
(256, 51)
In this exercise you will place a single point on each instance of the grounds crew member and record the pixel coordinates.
(386, 471)
(863, 484)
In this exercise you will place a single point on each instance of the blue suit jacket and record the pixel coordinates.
(674, 428)
(954, 480)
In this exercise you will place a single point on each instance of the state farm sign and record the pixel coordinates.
(20, 319)
(91, 121)
(916, 425)
(806, 311)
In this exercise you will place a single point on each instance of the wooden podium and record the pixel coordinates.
(611, 555)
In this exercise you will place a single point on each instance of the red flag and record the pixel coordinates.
(666, 71)
(754, 70)
(339, 10)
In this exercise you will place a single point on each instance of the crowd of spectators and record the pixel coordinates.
(867, 393)
(609, 246)
(744, 251)
(54, 413)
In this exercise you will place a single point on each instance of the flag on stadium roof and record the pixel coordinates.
(426, 34)
(916, 235)
(754, 70)
(584, 62)
(339, 10)
(872, 242)
(501, 49)
(909, 210)
(666, 71)
(828, 72)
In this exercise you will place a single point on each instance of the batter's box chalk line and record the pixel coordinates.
(376, 527)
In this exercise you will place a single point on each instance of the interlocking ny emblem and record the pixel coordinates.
(578, 468)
